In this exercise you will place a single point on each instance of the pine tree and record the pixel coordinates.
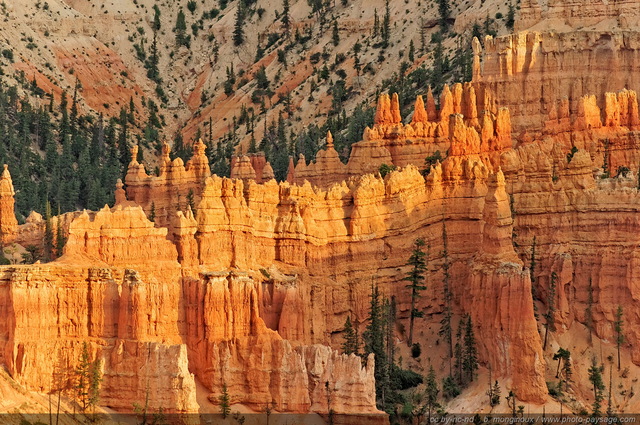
(350, 344)
(416, 277)
(458, 353)
(376, 23)
(356, 58)
(335, 34)
(550, 322)
(181, 30)
(60, 239)
(431, 393)
(238, 29)
(470, 359)
(445, 324)
(156, 18)
(412, 52)
(48, 233)
(83, 375)
(589, 311)
(225, 406)
(445, 10)
(617, 325)
(423, 37)
(511, 17)
(95, 378)
(286, 17)
(373, 337)
(595, 377)
(386, 25)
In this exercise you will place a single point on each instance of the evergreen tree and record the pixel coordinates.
(550, 323)
(181, 30)
(511, 17)
(156, 18)
(589, 311)
(335, 34)
(356, 58)
(431, 393)
(416, 278)
(95, 378)
(48, 234)
(458, 353)
(88, 378)
(445, 324)
(595, 377)
(350, 344)
(60, 239)
(286, 17)
(470, 359)
(412, 52)
(225, 406)
(238, 29)
(83, 372)
(444, 10)
(617, 325)
(373, 337)
(493, 393)
(376, 23)
(386, 25)
(261, 78)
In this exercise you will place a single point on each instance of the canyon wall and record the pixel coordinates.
(156, 331)
(530, 72)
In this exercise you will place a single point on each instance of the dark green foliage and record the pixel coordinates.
(238, 28)
(335, 34)
(570, 155)
(431, 161)
(191, 5)
(470, 358)
(416, 278)
(589, 310)
(606, 163)
(182, 39)
(261, 78)
(494, 394)
(564, 359)
(88, 378)
(374, 337)
(350, 344)
(416, 350)
(445, 324)
(617, 326)
(622, 171)
(385, 169)
(511, 17)
(285, 18)
(431, 393)
(550, 322)
(450, 388)
(402, 379)
(225, 406)
(444, 9)
(595, 377)
(386, 25)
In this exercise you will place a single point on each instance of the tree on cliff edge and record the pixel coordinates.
(416, 279)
